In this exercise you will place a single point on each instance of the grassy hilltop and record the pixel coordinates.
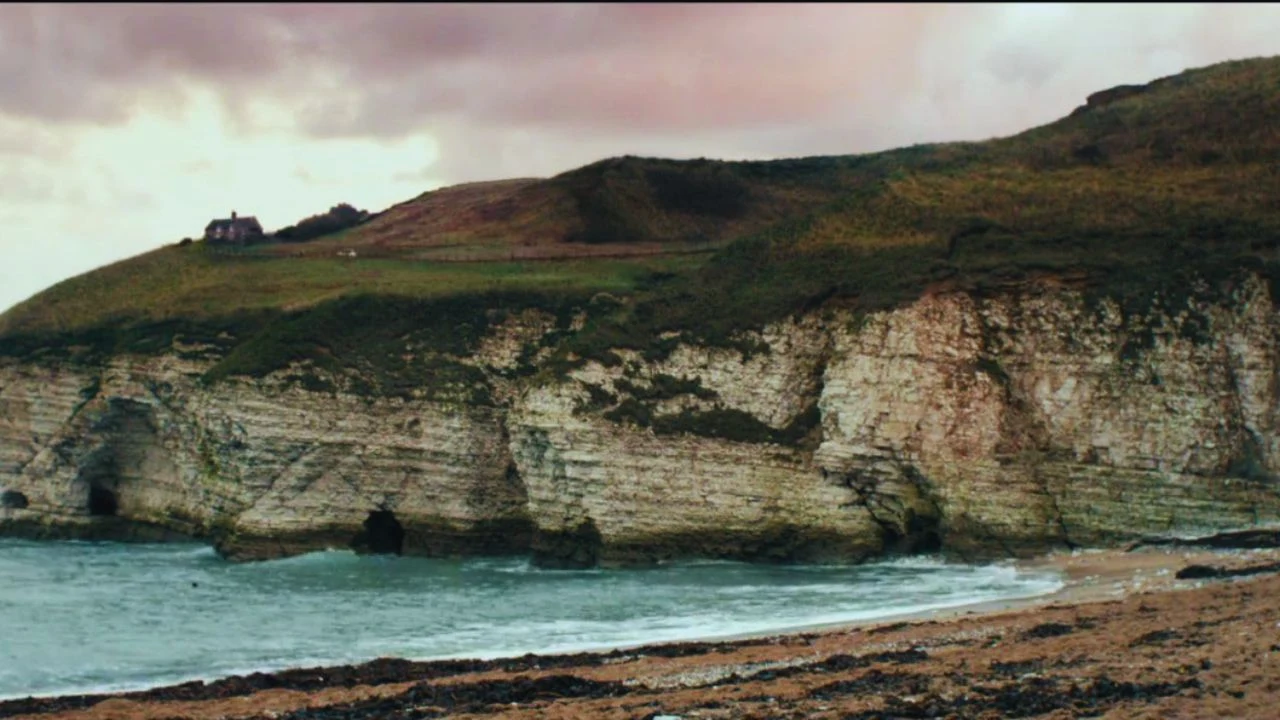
(1128, 196)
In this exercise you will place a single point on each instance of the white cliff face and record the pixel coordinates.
(266, 469)
(616, 494)
(996, 425)
(1027, 421)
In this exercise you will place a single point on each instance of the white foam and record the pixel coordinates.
(139, 620)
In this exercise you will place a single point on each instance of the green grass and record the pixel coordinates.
(1129, 199)
(718, 422)
(194, 283)
(394, 322)
(1181, 181)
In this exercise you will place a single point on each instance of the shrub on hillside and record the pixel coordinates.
(630, 199)
(710, 190)
(340, 217)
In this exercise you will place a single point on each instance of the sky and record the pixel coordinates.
(127, 127)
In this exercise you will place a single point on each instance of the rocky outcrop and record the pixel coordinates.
(1110, 95)
(976, 425)
(261, 468)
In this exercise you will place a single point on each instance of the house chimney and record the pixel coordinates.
(233, 214)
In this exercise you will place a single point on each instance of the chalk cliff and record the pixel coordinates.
(1005, 423)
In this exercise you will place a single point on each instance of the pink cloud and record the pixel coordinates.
(791, 78)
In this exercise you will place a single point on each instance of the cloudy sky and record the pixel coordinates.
(126, 127)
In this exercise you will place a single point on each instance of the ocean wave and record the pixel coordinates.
(141, 616)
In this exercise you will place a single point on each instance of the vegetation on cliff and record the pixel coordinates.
(1129, 196)
(338, 218)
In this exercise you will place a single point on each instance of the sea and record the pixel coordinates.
(79, 617)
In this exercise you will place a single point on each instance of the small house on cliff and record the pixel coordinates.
(233, 230)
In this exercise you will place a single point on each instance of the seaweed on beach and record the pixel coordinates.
(1048, 630)
(432, 701)
(1028, 698)
(835, 663)
(1215, 572)
(375, 672)
(873, 682)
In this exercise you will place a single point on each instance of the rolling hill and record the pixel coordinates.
(1141, 189)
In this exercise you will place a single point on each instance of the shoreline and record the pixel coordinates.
(1091, 579)
(1126, 571)
(604, 648)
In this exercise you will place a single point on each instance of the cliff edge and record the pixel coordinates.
(1067, 338)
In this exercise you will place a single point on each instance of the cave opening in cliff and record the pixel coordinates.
(382, 535)
(102, 502)
(13, 500)
(917, 535)
(568, 549)
(923, 535)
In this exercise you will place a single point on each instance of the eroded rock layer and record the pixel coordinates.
(979, 426)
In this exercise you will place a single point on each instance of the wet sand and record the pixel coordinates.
(1123, 639)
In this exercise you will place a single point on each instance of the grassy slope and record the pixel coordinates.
(195, 283)
(1128, 197)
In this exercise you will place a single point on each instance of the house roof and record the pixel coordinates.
(249, 223)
